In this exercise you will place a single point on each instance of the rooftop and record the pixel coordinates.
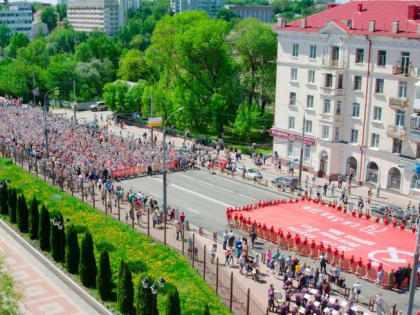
(369, 17)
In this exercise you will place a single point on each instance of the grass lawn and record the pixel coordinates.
(143, 255)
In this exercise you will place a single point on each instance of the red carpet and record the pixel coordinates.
(359, 237)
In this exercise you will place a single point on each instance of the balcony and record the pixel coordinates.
(404, 72)
(398, 102)
(398, 132)
(333, 64)
(332, 91)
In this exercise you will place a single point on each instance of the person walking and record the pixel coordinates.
(323, 263)
(332, 190)
(378, 190)
(225, 239)
(325, 189)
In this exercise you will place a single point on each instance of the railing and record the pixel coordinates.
(415, 122)
(329, 90)
(398, 132)
(335, 64)
(407, 71)
(398, 102)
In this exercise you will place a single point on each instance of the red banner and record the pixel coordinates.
(291, 136)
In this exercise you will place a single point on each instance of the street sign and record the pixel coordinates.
(154, 122)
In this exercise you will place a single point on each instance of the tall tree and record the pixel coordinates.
(133, 66)
(34, 219)
(104, 278)
(174, 305)
(22, 214)
(61, 10)
(145, 304)
(5, 35)
(49, 17)
(18, 40)
(206, 310)
(58, 239)
(44, 229)
(4, 199)
(72, 250)
(87, 266)
(12, 198)
(125, 292)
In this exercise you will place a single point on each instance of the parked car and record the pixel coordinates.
(250, 173)
(286, 181)
(99, 106)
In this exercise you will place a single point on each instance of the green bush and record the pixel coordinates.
(125, 290)
(174, 306)
(34, 219)
(145, 303)
(22, 214)
(72, 250)
(44, 231)
(87, 266)
(206, 310)
(104, 279)
(58, 240)
(12, 199)
(3, 200)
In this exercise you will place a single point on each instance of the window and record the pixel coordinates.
(295, 50)
(328, 80)
(308, 126)
(338, 108)
(402, 90)
(327, 106)
(310, 101)
(354, 137)
(312, 52)
(415, 182)
(359, 55)
(400, 118)
(379, 86)
(308, 152)
(291, 122)
(356, 110)
(340, 82)
(290, 146)
(381, 57)
(357, 82)
(377, 113)
(292, 98)
(337, 134)
(374, 143)
(325, 132)
(396, 146)
(293, 74)
(311, 76)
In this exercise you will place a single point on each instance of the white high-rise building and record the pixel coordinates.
(353, 72)
(105, 15)
(210, 6)
(133, 4)
(18, 18)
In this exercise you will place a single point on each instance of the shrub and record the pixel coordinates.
(206, 310)
(125, 291)
(3, 199)
(22, 214)
(87, 266)
(44, 229)
(72, 250)
(58, 240)
(174, 306)
(104, 281)
(12, 199)
(145, 303)
(34, 219)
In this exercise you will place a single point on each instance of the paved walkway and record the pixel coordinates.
(43, 292)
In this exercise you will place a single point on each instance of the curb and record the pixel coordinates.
(56, 271)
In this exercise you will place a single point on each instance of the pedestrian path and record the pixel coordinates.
(43, 292)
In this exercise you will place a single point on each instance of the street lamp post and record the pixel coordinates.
(165, 210)
(154, 288)
(414, 272)
(45, 120)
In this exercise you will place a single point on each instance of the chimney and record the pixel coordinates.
(303, 22)
(371, 26)
(281, 21)
(412, 12)
(395, 26)
(359, 7)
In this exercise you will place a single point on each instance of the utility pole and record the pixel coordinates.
(301, 151)
(414, 272)
(151, 115)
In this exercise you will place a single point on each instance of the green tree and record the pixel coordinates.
(61, 10)
(35, 53)
(18, 40)
(87, 266)
(34, 219)
(256, 45)
(133, 66)
(5, 35)
(49, 17)
(72, 250)
(125, 292)
(225, 14)
(114, 96)
(104, 278)
(58, 239)
(145, 301)
(59, 74)
(174, 305)
(206, 310)
(133, 97)
(12, 198)
(44, 229)
(4, 199)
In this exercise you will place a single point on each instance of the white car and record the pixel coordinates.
(99, 106)
(250, 173)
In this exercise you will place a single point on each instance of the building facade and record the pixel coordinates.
(350, 77)
(105, 15)
(264, 13)
(133, 4)
(210, 6)
(18, 18)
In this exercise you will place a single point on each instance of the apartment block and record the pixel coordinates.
(18, 18)
(210, 6)
(264, 13)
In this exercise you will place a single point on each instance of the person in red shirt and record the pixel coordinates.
(359, 267)
(280, 238)
(321, 248)
(341, 262)
(368, 269)
(297, 244)
(305, 247)
(313, 246)
(335, 256)
(289, 237)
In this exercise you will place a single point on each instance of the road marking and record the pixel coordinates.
(189, 177)
(192, 210)
(245, 196)
(197, 194)
(155, 195)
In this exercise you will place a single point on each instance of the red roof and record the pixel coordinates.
(383, 12)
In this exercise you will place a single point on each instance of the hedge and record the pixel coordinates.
(143, 255)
